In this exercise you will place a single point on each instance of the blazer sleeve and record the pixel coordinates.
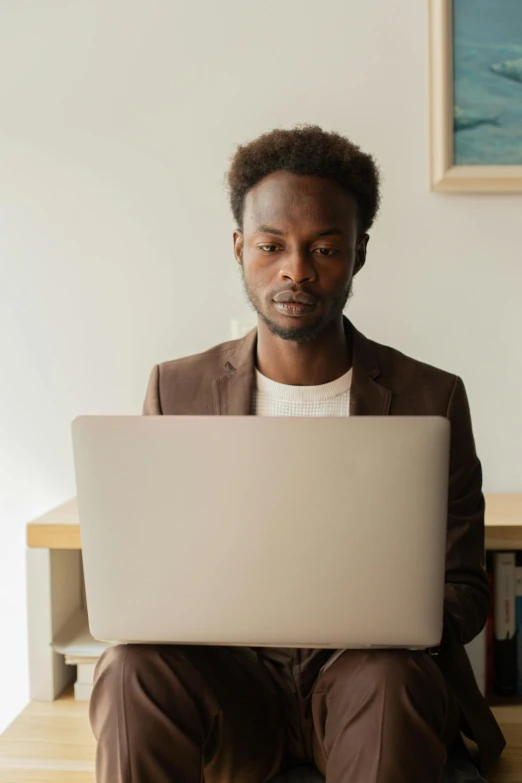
(152, 404)
(467, 593)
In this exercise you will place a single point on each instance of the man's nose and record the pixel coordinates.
(298, 267)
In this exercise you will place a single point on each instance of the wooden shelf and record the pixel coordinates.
(60, 528)
(57, 529)
(505, 701)
(504, 522)
(75, 639)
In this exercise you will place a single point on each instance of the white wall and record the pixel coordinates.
(117, 119)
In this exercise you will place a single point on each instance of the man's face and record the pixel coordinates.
(299, 250)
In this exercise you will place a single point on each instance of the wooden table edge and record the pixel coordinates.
(506, 533)
(54, 536)
(498, 537)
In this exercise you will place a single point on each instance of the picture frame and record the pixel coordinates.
(446, 176)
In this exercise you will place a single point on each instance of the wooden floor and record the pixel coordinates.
(53, 743)
(49, 742)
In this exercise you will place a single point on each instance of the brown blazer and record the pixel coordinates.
(384, 382)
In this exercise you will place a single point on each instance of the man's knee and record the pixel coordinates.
(400, 666)
(395, 669)
(124, 660)
(129, 676)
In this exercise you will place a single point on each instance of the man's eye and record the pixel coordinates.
(268, 248)
(325, 251)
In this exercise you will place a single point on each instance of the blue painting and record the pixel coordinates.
(487, 67)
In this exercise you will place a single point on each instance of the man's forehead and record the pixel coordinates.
(284, 198)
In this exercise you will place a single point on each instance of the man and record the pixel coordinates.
(303, 201)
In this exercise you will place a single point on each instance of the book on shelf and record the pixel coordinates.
(75, 660)
(82, 691)
(490, 638)
(505, 648)
(85, 667)
(75, 642)
(518, 616)
(496, 653)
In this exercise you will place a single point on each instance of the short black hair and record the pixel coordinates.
(311, 151)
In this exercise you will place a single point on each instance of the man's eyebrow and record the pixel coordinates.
(329, 231)
(335, 230)
(269, 230)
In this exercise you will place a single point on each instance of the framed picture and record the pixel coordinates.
(476, 95)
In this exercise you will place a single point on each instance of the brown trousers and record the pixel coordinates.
(172, 714)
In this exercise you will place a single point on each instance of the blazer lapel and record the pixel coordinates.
(367, 396)
(233, 390)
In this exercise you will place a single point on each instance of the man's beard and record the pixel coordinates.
(300, 334)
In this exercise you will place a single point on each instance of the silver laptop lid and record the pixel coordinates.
(320, 532)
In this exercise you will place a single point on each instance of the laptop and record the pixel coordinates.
(245, 530)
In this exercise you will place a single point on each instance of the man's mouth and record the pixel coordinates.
(295, 308)
(299, 297)
(295, 303)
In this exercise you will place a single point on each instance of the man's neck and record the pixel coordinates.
(304, 364)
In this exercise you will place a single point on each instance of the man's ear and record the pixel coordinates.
(238, 246)
(360, 253)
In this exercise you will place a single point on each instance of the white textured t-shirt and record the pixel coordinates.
(279, 399)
